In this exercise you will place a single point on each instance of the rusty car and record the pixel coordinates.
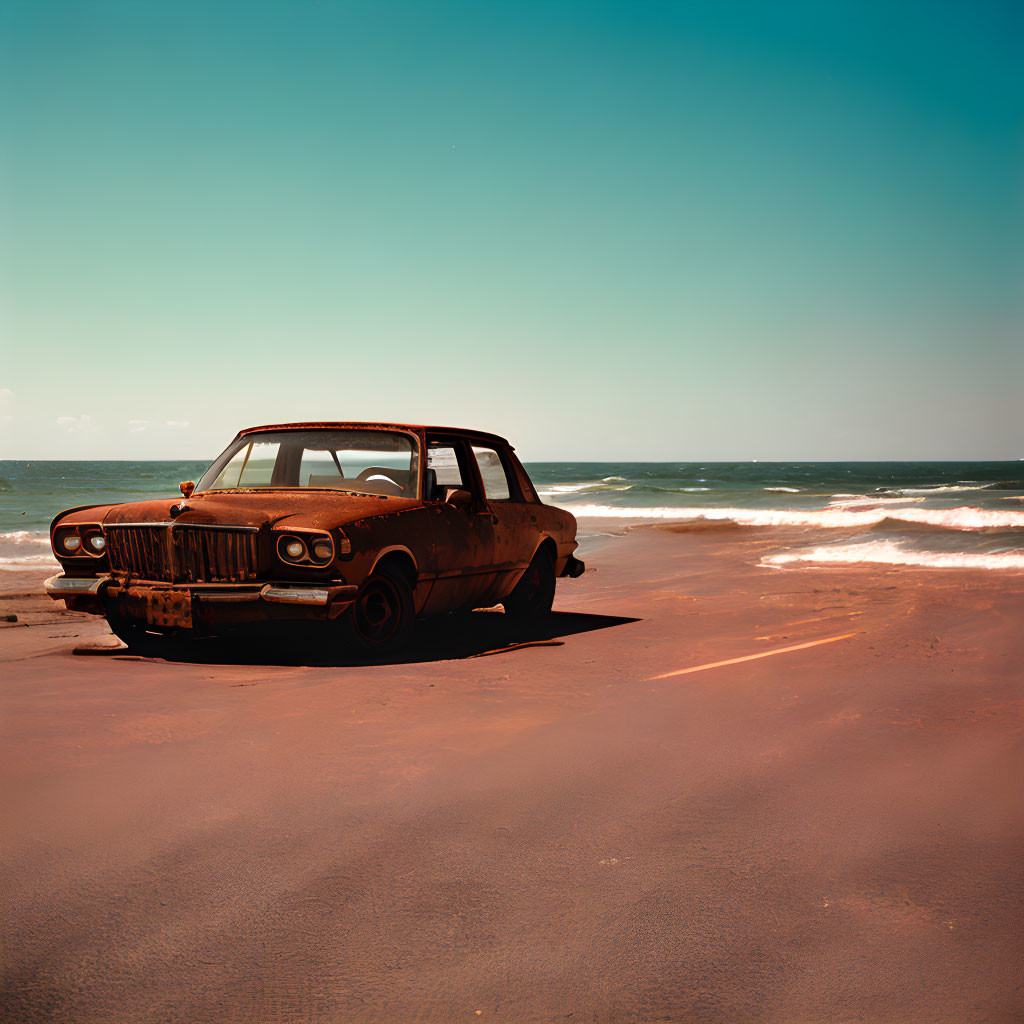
(361, 526)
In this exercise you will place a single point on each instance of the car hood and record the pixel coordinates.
(312, 509)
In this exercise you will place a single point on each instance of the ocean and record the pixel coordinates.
(939, 514)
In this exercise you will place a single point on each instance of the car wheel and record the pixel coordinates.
(382, 614)
(534, 594)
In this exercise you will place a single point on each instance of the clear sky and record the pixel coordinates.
(608, 230)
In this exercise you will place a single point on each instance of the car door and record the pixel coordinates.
(516, 533)
(462, 535)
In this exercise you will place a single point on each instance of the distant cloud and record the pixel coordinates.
(78, 424)
(137, 426)
(6, 393)
(178, 424)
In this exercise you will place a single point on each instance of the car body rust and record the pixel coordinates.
(450, 513)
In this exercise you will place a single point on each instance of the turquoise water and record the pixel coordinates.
(958, 512)
(784, 485)
(32, 493)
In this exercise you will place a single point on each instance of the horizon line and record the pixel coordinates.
(209, 460)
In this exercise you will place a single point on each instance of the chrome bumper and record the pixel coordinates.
(316, 596)
(60, 587)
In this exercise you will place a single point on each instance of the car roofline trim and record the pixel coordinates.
(407, 428)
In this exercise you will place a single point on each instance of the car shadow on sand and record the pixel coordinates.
(443, 638)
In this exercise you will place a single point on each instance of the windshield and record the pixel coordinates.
(359, 461)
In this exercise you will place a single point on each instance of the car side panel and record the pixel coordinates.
(451, 547)
(516, 538)
(461, 558)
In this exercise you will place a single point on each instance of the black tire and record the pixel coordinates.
(533, 595)
(382, 615)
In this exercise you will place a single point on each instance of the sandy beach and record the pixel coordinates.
(705, 791)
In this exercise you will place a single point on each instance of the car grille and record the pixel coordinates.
(184, 553)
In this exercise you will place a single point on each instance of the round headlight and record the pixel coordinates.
(72, 542)
(323, 550)
(295, 549)
(98, 542)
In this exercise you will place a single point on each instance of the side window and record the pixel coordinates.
(492, 472)
(526, 487)
(443, 459)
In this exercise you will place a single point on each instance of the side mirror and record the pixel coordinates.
(458, 497)
(187, 487)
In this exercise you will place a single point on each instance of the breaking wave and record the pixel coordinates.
(937, 489)
(888, 552)
(859, 502)
(964, 518)
(605, 487)
(28, 562)
(18, 537)
(21, 549)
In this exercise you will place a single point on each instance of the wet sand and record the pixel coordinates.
(533, 827)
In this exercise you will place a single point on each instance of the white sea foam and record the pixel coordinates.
(783, 490)
(21, 549)
(29, 562)
(554, 489)
(964, 518)
(940, 489)
(887, 552)
(23, 537)
(861, 503)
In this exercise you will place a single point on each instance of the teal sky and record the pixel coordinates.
(690, 230)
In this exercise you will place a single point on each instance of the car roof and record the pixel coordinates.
(416, 427)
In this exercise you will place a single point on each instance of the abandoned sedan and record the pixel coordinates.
(366, 525)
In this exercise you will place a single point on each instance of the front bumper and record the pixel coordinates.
(187, 605)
